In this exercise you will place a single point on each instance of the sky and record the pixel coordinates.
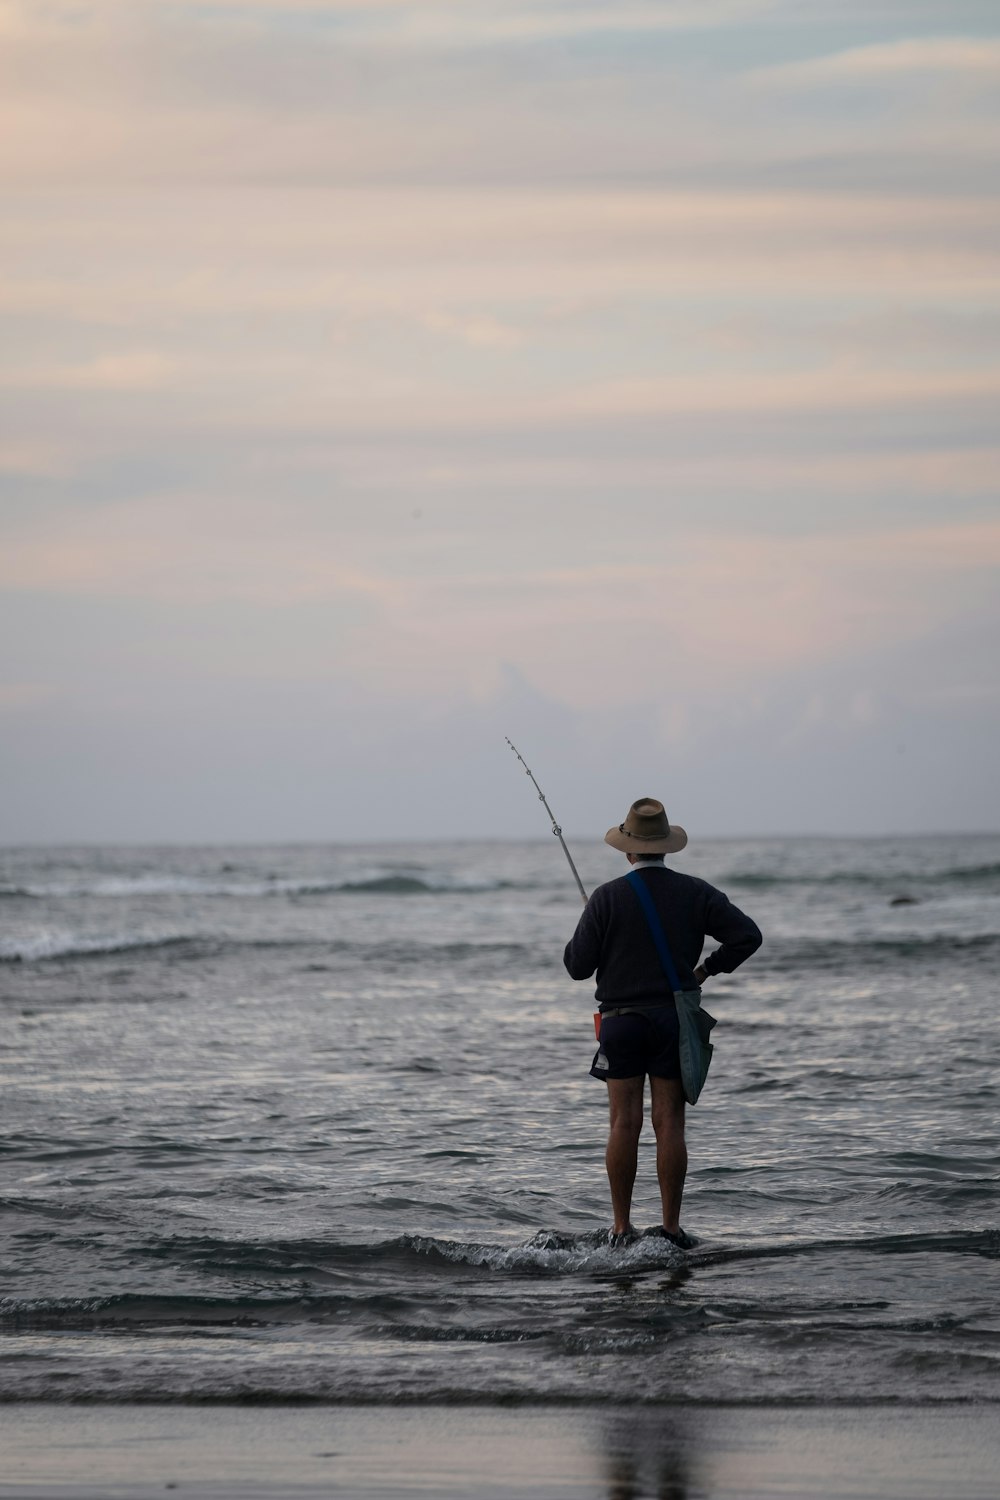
(379, 379)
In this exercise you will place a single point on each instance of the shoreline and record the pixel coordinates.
(718, 1452)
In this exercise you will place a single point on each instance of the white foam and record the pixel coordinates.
(160, 885)
(557, 1255)
(128, 886)
(53, 943)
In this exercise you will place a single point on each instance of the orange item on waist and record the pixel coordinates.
(597, 1024)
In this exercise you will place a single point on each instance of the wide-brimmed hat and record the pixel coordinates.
(646, 830)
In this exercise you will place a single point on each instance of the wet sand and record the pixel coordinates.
(105, 1452)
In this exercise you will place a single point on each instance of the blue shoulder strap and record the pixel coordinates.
(649, 911)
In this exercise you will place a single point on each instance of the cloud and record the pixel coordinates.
(444, 24)
(470, 312)
(137, 370)
(434, 605)
(18, 696)
(386, 344)
(351, 251)
(155, 93)
(37, 459)
(181, 548)
(961, 55)
(478, 330)
(792, 391)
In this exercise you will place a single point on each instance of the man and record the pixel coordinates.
(614, 938)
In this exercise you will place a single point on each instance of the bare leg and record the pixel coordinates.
(671, 1151)
(622, 1157)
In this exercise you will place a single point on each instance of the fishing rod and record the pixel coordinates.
(555, 826)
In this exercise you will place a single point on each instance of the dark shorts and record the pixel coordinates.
(633, 1045)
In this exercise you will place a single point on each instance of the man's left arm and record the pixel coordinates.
(739, 935)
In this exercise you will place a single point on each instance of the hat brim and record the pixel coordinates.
(631, 843)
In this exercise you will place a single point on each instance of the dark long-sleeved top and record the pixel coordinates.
(613, 938)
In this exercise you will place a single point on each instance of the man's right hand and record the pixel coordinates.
(701, 974)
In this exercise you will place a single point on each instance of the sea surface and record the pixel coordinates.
(314, 1123)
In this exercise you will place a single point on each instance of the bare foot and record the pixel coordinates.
(622, 1236)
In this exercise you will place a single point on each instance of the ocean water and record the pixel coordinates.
(315, 1123)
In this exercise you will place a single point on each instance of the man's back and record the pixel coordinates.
(613, 937)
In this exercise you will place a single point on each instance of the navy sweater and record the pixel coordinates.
(613, 937)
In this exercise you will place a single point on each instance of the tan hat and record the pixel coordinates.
(646, 830)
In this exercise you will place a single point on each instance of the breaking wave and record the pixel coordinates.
(51, 945)
(883, 880)
(313, 1279)
(932, 948)
(392, 883)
